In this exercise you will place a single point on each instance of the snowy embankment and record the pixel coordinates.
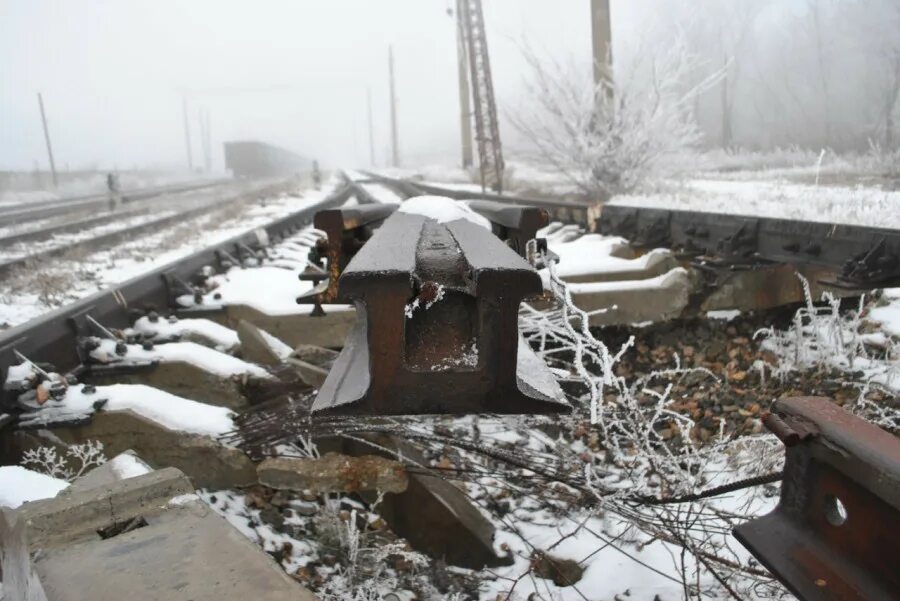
(859, 205)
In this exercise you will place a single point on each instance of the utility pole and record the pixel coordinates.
(465, 112)
(601, 42)
(371, 129)
(187, 132)
(205, 139)
(395, 151)
(47, 140)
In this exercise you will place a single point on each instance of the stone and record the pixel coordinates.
(103, 475)
(563, 572)
(328, 330)
(657, 299)
(656, 264)
(209, 463)
(316, 355)
(333, 473)
(433, 514)
(310, 374)
(66, 518)
(181, 379)
(186, 553)
(255, 347)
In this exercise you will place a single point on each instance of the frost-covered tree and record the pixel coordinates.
(610, 141)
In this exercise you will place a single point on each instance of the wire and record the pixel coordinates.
(714, 492)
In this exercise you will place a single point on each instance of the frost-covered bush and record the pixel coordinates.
(885, 161)
(78, 459)
(819, 336)
(609, 139)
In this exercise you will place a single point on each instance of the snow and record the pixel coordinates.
(182, 500)
(442, 210)
(19, 485)
(104, 269)
(382, 193)
(281, 349)
(859, 205)
(888, 315)
(658, 282)
(127, 465)
(272, 290)
(169, 410)
(204, 357)
(222, 337)
(592, 253)
(723, 315)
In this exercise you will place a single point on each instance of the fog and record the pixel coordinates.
(114, 75)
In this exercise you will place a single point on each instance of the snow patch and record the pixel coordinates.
(186, 352)
(127, 466)
(19, 485)
(442, 210)
(165, 329)
(169, 410)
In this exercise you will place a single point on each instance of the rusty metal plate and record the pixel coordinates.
(437, 330)
(836, 531)
(346, 231)
(516, 225)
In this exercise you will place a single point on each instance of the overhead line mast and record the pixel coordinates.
(487, 130)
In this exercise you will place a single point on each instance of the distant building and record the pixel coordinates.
(257, 159)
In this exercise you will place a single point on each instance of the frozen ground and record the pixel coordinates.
(857, 205)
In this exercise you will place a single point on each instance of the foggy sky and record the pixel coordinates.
(293, 73)
(813, 73)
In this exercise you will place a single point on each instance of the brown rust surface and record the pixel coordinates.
(836, 531)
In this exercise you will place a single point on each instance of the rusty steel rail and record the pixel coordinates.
(437, 326)
(347, 230)
(836, 531)
(858, 256)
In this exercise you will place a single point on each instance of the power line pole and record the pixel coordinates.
(601, 41)
(371, 128)
(395, 151)
(187, 132)
(465, 112)
(47, 140)
(205, 139)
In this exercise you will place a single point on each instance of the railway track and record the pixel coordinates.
(32, 211)
(240, 293)
(134, 225)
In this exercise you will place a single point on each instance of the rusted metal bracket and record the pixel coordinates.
(836, 531)
(437, 326)
(347, 230)
(514, 224)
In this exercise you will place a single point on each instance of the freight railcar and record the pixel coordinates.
(257, 159)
